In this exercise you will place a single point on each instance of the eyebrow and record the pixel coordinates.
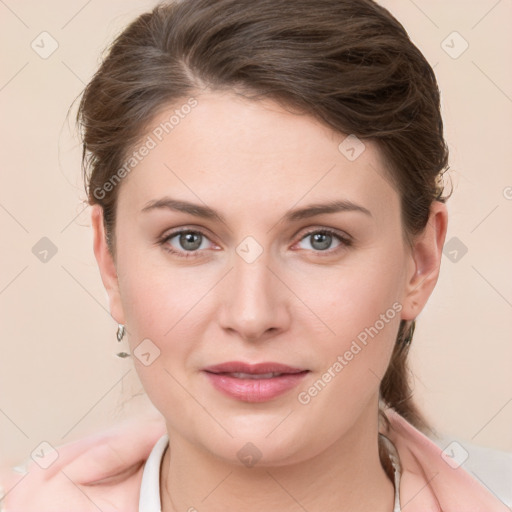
(292, 215)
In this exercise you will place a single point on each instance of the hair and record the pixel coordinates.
(348, 63)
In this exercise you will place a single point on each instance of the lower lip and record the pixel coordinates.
(255, 390)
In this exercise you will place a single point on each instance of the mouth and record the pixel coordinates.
(254, 382)
(262, 370)
(241, 375)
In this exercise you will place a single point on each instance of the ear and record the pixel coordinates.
(425, 262)
(106, 265)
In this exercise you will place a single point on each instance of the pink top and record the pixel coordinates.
(104, 471)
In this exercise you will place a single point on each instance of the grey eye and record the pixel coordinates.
(321, 240)
(190, 241)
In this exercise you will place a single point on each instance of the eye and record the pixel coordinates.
(188, 243)
(321, 240)
(185, 243)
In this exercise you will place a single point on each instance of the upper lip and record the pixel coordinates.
(241, 367)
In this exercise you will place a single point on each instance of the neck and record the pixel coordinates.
(348, 476)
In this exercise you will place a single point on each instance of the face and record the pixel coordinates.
(221, 258)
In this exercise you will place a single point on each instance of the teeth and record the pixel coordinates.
(240, 375)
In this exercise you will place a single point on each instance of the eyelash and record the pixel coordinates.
(345, 242)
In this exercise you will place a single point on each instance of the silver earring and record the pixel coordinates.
(120, 333)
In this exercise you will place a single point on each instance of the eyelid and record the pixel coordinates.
(332, 231)
(163, 239)
(344, 238)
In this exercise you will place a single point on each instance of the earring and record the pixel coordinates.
(120, 333)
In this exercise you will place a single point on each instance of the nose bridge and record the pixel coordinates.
(254, 302)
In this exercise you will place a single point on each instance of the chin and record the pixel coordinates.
(254, 446)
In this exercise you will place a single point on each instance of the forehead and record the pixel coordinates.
(255, 152)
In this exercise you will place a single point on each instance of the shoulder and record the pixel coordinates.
(457, 476)
(101, 471)
(491, 467)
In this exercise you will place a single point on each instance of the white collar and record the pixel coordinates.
(149, 500)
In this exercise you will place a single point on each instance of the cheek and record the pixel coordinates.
(156, 297)
(360, 314)
(353, 360)
(354, 298)
(168, 307)
(159, 307)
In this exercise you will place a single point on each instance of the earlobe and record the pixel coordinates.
(106, 264)
(425, 262)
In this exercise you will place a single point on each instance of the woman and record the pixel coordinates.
(268, 216)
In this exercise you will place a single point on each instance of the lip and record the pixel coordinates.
(265, 367)
(254, 389)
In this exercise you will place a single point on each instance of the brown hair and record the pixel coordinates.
(348, 63)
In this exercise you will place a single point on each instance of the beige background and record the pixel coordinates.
(59, 378)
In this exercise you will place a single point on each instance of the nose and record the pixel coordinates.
(254, 304)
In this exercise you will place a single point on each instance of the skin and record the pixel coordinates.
(295, 304)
